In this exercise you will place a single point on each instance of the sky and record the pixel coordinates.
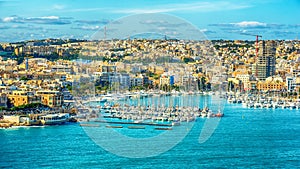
(217, 19)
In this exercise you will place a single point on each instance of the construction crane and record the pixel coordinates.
(256, 45)
(256, 55)
(256, 50)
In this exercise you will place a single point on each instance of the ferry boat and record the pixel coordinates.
(52, 119)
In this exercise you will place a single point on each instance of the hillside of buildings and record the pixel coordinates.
(44, 71)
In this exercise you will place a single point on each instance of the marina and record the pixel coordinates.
(164, 109)
(149, 109)
(153, 109)
(263, 101)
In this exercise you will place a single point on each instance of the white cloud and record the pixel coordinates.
(56, 20)
(203, 30)
(250, 24)
(89, 28)
(8, 19)
(100, 21)
(44, 17)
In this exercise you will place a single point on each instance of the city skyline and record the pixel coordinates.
(25, 20)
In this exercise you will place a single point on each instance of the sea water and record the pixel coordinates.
(244, 138)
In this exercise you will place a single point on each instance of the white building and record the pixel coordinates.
(136, 81)
(124, 80)
(245, 78)
(290, 83)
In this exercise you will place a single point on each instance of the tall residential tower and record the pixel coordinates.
(266, 61)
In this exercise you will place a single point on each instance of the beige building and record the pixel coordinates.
(271, 84)
(51, 98)
(19, 98)
(166, 80)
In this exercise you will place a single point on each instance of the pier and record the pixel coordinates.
(142, 123)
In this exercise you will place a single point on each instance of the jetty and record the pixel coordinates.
(163, 128)
(136, 127)
(89, 125)
(130, 123)
(109, 126)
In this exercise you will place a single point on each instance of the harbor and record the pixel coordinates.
(152, 109)
(239, 131)
(162, 109)
(263, 101)
(149, 108)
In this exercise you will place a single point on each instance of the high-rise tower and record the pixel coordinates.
(265, 63)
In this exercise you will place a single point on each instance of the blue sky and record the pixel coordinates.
(218, 19)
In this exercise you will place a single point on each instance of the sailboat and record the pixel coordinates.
(219, 113)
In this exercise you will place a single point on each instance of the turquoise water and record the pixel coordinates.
(244, 138)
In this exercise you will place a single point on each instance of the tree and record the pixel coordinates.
(175, 87)
(20, 60)
(208, 86)
(25, 106)
(187, 60)
(217, 47)
(3, 108)
(24, 78)
(69, 87)
(203, 83)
